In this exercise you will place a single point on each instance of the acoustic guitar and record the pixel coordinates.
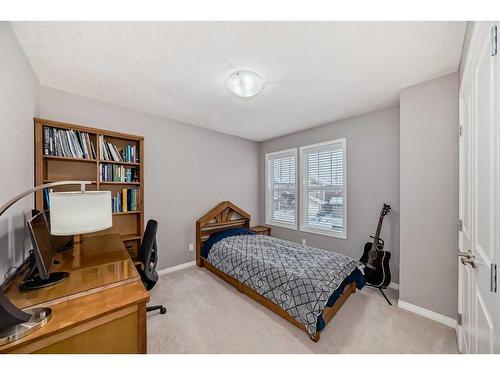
(375, 258)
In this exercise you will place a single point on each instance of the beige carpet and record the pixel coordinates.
(207, 315)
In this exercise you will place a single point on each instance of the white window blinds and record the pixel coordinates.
(280, 188)
(323, 208)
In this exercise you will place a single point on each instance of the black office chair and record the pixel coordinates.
(148, 254)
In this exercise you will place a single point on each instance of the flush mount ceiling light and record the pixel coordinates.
(245, 83)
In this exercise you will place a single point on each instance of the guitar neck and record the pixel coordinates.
(377, 233)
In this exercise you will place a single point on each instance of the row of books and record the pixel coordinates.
(129, 154)
(125, 200)
(118, 173)
(110, 152)
(67, 143)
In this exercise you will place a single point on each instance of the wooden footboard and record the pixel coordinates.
(227, 215)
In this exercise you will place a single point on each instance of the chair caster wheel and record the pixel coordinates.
(163, 310)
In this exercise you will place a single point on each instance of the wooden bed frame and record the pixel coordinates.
(227, 215)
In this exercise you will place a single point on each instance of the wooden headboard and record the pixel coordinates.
(223, 216)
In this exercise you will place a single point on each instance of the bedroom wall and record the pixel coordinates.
(188, 169)
(18, 106)
(429, 195)
(372, 178)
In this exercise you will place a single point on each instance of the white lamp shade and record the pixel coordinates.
(79, 212)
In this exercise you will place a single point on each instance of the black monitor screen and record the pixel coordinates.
(42, 244)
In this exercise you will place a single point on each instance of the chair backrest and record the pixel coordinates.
(148, 253)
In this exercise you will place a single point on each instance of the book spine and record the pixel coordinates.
(124, 202)
(56, 145)
(134, 199)
(102, 149)
(46, 198)
(83, 143)
(94, 156)
(78, 146)
(45, 140)
(51, 144)
(62, 143)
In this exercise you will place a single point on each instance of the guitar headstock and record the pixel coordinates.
(385, 210)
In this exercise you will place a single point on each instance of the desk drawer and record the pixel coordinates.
(118, 336)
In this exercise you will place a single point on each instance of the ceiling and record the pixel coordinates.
(315, 72)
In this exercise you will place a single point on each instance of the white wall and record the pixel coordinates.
(429, 195)
(18, 106)
(188, 169)
(372, 179)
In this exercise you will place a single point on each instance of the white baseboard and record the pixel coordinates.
(394, 286)
(428, 314)
(176, 268)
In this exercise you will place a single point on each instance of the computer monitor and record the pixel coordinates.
(42, 244)
(43, 253)
(59, 243)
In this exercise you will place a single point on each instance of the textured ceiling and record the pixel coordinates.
(315, 72)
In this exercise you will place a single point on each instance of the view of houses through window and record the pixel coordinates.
(282, 176)
(323, 176)
(322, 183)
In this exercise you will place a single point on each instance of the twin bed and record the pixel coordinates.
(304, 285)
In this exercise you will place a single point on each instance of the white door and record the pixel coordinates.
(479, 195)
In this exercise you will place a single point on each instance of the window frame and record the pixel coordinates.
(303, 181)
(268, 215)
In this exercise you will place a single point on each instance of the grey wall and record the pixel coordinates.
(372, 178)
(429, 195)
(18, 105)
(188, 170)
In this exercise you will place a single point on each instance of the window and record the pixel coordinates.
(323, 181)
(280, 188)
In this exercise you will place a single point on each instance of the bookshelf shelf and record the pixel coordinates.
(49, 168)
(64, 158)
(127, 213)
(48, 181)
(119, 162)
(118, 183)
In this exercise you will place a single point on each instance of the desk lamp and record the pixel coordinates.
(72, 213)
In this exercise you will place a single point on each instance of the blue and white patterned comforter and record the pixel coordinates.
(298, 278)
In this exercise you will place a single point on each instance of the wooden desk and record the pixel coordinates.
(100, 308)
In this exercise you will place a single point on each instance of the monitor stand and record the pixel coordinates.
(32, 280)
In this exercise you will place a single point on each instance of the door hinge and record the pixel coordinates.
(460, 130)
(460, 225)
(459, 319)
(493, 270)
(494, 41)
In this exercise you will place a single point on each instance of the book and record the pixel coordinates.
(67, 143)
(46, 199)
(129, 154)
(109, 172)
(124, 200)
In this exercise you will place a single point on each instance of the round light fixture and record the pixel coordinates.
(245, 83)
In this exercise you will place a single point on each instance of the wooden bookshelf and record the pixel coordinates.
(130, 224)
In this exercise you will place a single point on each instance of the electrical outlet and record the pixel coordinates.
(191, 247)
(303, 241)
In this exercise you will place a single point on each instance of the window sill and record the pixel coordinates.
(281, 225)
(342, 236)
